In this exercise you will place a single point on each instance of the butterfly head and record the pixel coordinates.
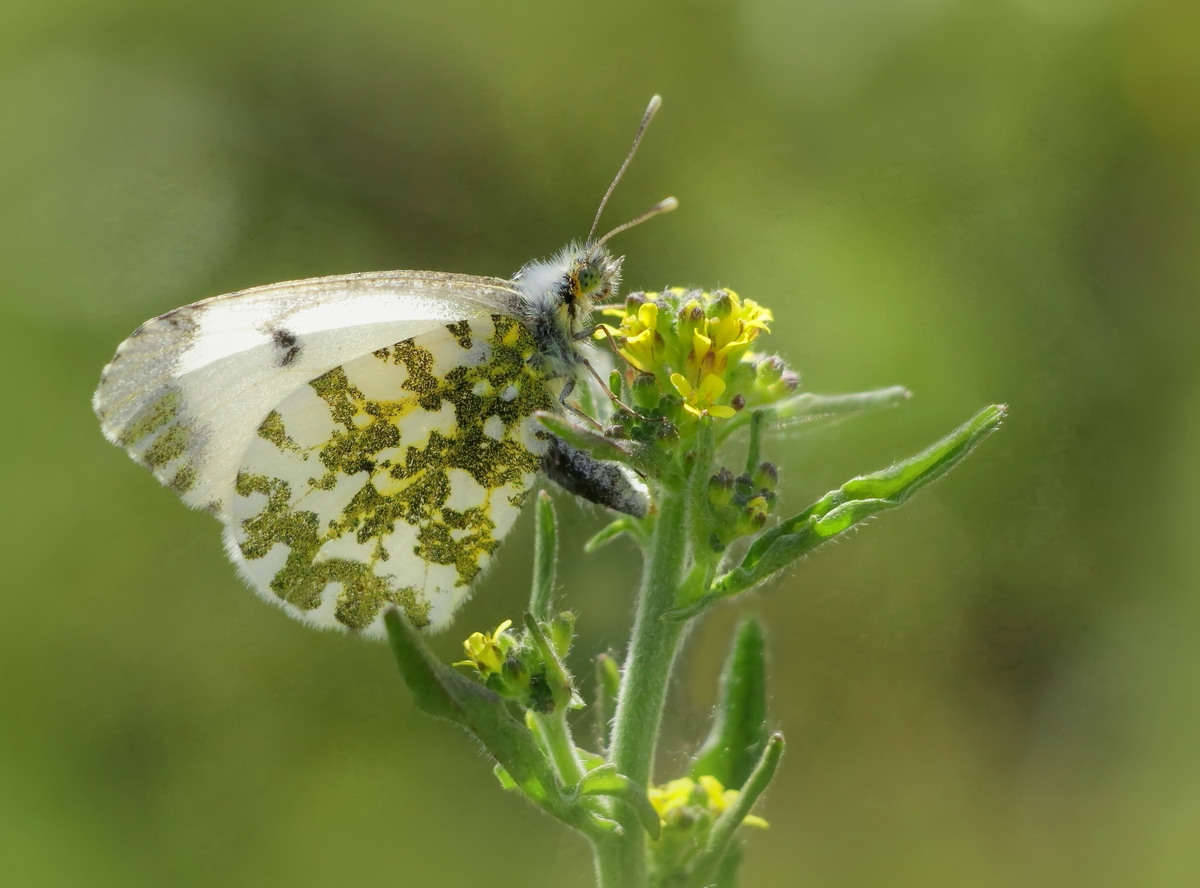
(559, 294)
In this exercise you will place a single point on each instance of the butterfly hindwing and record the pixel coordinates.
(391, 478)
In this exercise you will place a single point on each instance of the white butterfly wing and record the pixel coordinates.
(186, 393)
(391, 478)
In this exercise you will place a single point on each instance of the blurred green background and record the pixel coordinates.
(996, 686)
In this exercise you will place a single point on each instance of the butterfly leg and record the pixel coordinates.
(569, 387)
(585, 334)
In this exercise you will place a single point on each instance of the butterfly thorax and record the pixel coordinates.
(559, 294)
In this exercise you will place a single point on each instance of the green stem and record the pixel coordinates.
(557, 736)
(621, 862)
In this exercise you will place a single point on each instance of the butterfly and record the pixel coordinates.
(367, 440)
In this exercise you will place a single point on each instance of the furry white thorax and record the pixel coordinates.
(558, 296)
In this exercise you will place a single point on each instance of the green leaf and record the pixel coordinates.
(853, 502)
(610, 532)
(605, 781)
(441, 691)
(721, 837)
(727, 871)
(739, 731)
(608, 685)
(588, 759)
(591, 442)
(808, 407)
(545, 556)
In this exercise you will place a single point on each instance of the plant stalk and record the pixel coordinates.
(621, 861)
(557, 736)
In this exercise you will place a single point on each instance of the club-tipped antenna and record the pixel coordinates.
(663, 206)
(651, 109)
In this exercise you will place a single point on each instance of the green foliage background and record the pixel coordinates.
(985, 202)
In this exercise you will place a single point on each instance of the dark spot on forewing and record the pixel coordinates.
(461, 331)
(287, 345)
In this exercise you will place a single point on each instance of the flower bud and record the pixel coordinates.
(720, 488)
(720, 304)
(770, 370)
(766, 476)
(561, 632)
(690, 315)
(516, 676)
(668, 431)
(754, 516)
(615, 379)
(772, 498)
(645, 391)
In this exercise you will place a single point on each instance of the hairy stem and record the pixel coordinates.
(557, 736)
(621, 862)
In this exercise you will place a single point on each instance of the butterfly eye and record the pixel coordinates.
(589, 278)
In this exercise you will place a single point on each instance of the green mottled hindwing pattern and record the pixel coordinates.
(393, 477)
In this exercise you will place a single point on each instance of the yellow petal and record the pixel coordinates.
(714, 790)
(712, 386)
(725, 330)
(721, 411)
(648, 315)
(681, 384)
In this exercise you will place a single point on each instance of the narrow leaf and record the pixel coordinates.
(808, 407)
(443, 692)
(608, 533)
(856, 500)
(591, 442)
(545, 556)
(605, 781)
(608, 685)
(739, 731)
(721, 837)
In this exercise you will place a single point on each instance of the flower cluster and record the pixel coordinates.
(687, 809)
(693, 347)
(522, 667)
(487, 651)
(685, 801)
(741, 504)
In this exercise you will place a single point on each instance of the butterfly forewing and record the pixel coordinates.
(391, 478)
(186, 392)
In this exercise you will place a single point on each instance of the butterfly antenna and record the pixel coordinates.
(651, 110)
(663, 206)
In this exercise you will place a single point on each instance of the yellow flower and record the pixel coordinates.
(672, 800)
(637, 339)
(698, 342)
(739, 327)
(486, 650)
(700, 400)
